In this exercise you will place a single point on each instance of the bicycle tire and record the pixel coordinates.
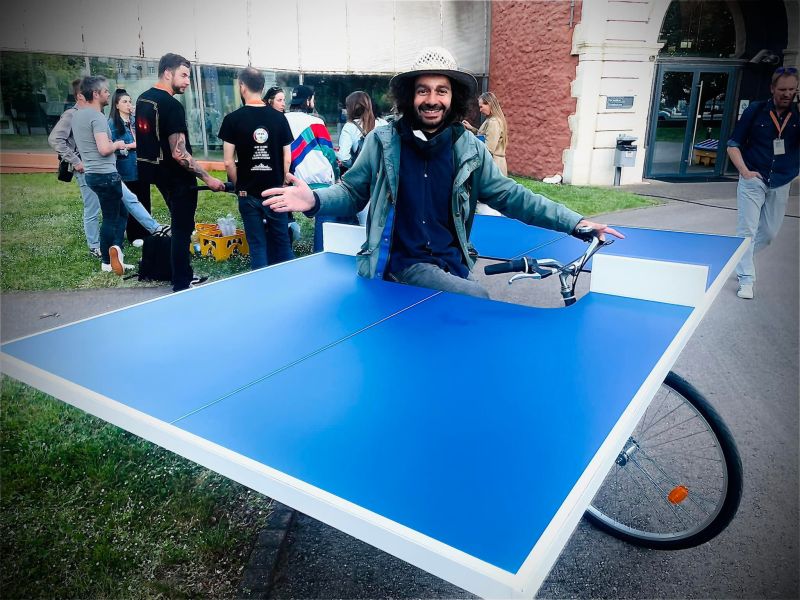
(631, 504)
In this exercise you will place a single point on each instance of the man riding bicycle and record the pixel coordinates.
(422, 177)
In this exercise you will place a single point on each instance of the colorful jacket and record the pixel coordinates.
(374, 179)
(313, 158)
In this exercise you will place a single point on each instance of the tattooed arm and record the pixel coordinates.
(177, 143)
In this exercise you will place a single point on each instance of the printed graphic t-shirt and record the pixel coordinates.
(158, 116)
(259, 134)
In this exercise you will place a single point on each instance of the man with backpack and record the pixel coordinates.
(164, 157)
(313, 158)
(764, 149)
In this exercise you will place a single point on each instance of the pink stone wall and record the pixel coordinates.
(530, 72)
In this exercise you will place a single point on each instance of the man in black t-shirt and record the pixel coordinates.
(164, 157)
(260, 138)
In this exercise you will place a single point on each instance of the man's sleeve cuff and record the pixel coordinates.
(315, 210)
(733, 143)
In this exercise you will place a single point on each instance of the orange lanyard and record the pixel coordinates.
(782, 126)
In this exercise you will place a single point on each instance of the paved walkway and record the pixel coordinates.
(744, 357)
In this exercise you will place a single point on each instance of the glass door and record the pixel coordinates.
(689, 121)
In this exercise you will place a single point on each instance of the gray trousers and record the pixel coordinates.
(761, 211)
(430, 276)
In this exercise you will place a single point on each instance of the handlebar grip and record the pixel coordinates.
(584, 233)
(230, 188)
(511, 266)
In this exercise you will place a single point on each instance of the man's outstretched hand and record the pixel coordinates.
(600, 229)
(296, 198)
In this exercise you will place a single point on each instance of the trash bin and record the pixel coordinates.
(624, 155)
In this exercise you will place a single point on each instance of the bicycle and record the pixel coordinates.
(677, 482)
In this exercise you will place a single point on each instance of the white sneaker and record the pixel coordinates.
(105, 268)
(117, 260)
(745, 291)
(137, 243)
(555, 179)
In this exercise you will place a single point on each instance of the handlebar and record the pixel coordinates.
(230, 188)
(532, 268)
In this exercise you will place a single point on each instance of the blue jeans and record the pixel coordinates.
(108, 187)
(761, 211)
(137, 210)
(267, 233)
(91, 212)
(430, 276)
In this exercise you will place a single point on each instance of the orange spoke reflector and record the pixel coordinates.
(678, 494)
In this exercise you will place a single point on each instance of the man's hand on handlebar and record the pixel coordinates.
(598, 229)
(296, 198)
(214, 184)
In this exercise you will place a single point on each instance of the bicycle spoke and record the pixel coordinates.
(673, 426)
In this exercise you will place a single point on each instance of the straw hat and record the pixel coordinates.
(435, 60)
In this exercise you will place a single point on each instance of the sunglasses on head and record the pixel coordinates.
(786, 71)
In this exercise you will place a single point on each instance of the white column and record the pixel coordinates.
(616, 44)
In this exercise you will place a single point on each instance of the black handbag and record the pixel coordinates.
(65, 171)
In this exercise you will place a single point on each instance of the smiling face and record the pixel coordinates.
(433, 95)
(783, 90)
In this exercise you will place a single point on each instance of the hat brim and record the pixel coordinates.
(460, 76)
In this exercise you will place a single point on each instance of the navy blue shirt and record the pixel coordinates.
(424, 230)
(754, 134)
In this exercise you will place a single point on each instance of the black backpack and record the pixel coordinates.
(156, 263)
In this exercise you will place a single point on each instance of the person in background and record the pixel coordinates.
(494, 133)
(93, 140)
(135, 193)
(256, 148)
(63, 142)
(764, 148)
(421, 176)
(313, 158)
(164, 157)
(276, 98)
(360, 121)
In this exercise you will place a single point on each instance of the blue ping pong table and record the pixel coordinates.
(358, 402)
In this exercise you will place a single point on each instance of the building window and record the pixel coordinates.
(698, 28)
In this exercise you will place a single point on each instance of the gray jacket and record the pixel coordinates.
(61, 139)
(373, 178)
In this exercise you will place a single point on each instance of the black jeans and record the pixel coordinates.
(269, 242)
(108, 187)
(134, 230)
(181, 200)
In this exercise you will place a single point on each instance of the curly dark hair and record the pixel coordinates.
(402, 92)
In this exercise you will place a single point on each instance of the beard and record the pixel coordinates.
(420, 123)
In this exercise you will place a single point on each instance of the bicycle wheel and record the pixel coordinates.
(678, 480)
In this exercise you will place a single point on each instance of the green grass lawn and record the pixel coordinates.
(90, 511)
(86, 509)
(43, 246)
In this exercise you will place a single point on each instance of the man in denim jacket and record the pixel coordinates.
(422, 177)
